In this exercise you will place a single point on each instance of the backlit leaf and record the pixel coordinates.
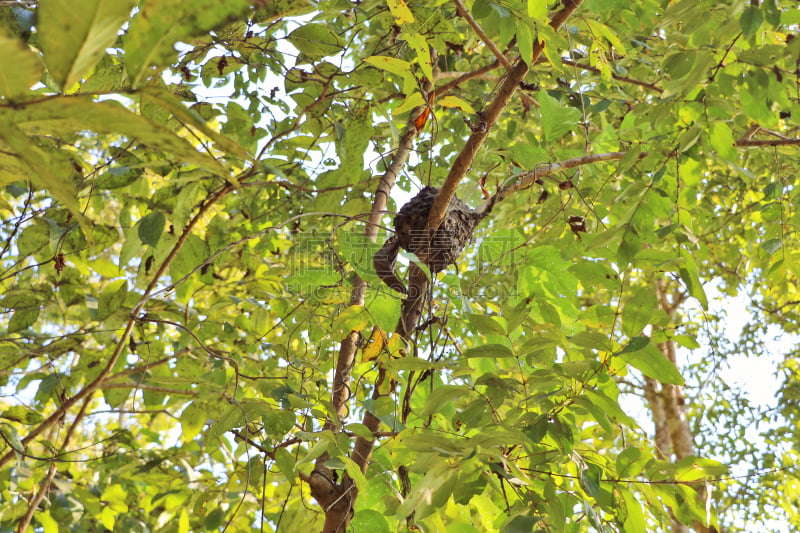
(20, 69)
(151, 227)
(160, 24)
(489, 350)
(652, 363)
(399, 9)
(557, 120)
(76, 33)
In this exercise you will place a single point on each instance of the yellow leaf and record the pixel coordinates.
(354, 318)
(47, 522)
(390, 64)
(408, 104)
(374, 345)
(116, 498)
(537, 9)
(183, 521)
(420, 46)
(396, 345)
(455, 101)
(108, 517)
(400, 10)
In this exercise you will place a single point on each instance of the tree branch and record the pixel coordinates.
(747, 138)
(337, 500)
(467, 155)
(447, 87)
(646, 85)
(482, 35)
(777, 142)
(526, 179)
(68, 403)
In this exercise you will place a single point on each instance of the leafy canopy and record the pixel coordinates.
(184, 189)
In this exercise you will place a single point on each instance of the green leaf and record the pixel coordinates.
(601, 29)
(629, 247)
(487, 325)
(525, 42)
(151, 227)
(689, 138)
(48, 170)
(112, 298)
(192, 418)
(691, 279)
(638, 311)
(315, 41)
(232, 417)
(354, 471)
(410, 102)
(278, 423)
(592, 340)
(33, 239)
(48, 523)
(116, 497)
(160, 24)
(369, 521)
(651, 362)
(20, 67)
(191, 255)
(722, 140)
(55, 116)
(687, 341)
(634, 519)
(489, 350)
(635, 344)
(190, 117)
(610, 407)
(537, 9)
(11, 436)
(772, 245)
(751, 20)
(590, 480)
(76, 33)
(353, 318)
(520, 524)
(286, 464)
(679, 64)
(420, 499)
(557, 120)
(22, 414)
(444, 394)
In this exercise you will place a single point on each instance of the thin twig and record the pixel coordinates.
(646, 85)
(747, 138)
(482, 35)
(526, 179)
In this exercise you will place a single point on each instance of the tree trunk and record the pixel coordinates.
(673, 435)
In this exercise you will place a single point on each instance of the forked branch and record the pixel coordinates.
(467, 155)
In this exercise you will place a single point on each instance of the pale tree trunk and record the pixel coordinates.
(674, 439)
